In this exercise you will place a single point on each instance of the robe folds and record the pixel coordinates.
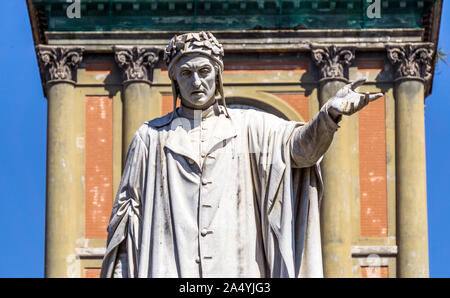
(250, 209)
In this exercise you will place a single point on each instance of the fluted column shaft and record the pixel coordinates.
(64, 191)
(338, 166)
(412, 64)
(139, 103)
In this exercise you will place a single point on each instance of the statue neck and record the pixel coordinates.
(190, 113)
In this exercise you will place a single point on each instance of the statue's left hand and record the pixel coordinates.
(347, 101)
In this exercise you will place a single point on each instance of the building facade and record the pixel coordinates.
(103, 76)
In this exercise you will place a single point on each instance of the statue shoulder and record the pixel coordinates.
(150, 129)
(160, 122)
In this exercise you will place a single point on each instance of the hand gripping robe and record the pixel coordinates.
(246, 206)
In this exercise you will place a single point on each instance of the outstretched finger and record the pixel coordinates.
(356, 83)
(366, 98)
(363, 100)
(372, 97)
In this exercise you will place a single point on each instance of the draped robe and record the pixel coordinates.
(249, 208)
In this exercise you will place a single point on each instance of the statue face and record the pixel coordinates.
(196, 78)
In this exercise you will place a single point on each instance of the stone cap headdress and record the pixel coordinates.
(203, 43)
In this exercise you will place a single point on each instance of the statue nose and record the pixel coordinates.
(196, 82)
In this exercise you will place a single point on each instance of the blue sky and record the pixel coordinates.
(23, 151)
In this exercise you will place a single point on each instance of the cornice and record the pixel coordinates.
(243, 41)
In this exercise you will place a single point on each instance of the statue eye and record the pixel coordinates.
(186, 73)
(205, 70)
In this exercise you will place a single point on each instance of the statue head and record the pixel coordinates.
(195, 68)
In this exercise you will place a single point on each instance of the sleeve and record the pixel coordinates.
(124, 226)
(310, 141)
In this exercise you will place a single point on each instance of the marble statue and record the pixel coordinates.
(214, 192)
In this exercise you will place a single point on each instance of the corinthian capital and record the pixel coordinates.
(59, 63)
(411, 60)
(332, 61)
(136, 62)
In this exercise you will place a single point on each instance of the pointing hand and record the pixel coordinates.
(347, 101)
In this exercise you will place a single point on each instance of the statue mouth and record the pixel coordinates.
(198, 92)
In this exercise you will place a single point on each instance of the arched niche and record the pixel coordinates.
(250, 103)
(265, 102)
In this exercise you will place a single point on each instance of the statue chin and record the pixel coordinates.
(200, 103)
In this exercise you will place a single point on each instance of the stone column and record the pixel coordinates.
(139, 104)
(339, 166)
(64, 160)
(412, 65)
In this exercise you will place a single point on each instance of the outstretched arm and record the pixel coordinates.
(313, 139)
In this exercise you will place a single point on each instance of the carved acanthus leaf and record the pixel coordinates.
(59, 63)
(333, 61)
(411, 60)
(136, 62)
